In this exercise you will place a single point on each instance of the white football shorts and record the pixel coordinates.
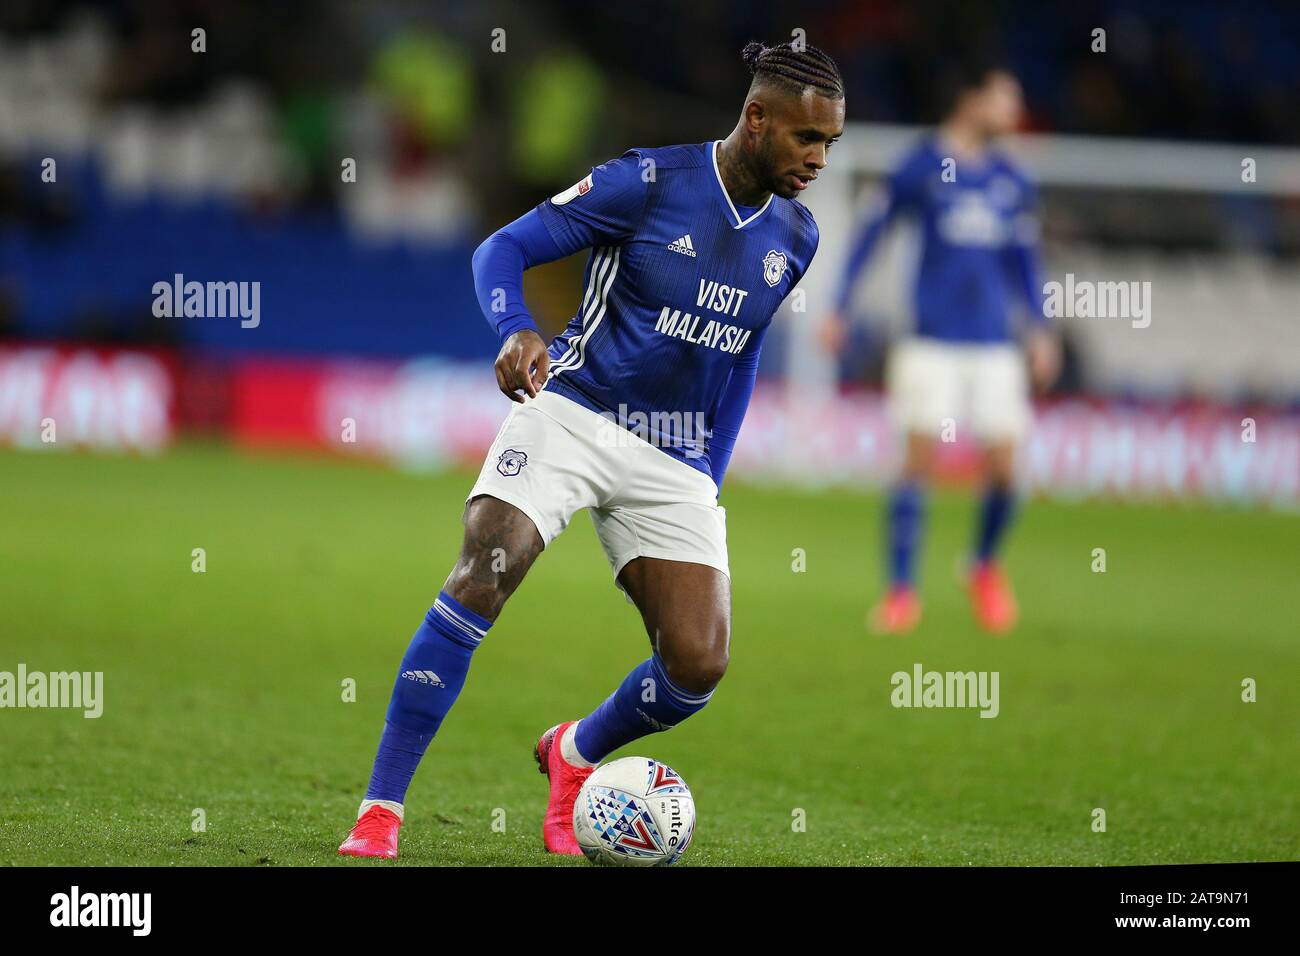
(554, 457)
(982, 388)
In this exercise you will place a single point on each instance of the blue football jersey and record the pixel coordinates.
(680, 286)
(979, 242)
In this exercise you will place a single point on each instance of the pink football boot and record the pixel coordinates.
(566, 780)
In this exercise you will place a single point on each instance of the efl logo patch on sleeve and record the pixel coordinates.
(580, 188)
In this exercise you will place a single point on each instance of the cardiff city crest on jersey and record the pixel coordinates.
(774, 264)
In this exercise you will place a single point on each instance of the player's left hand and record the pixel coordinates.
(1043, 350)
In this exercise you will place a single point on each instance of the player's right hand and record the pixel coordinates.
(522, 364)
(1043, 349)
(832, 331)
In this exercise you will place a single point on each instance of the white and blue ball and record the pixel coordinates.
(634, 811)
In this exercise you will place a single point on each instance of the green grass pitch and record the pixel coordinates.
(223, 690)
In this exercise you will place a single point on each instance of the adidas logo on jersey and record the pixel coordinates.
(683, 245)
(424, 677)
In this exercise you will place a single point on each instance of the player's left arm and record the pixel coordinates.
(1042, 344)
(740, 386)
(732, 406)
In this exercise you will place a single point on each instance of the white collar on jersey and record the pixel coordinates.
(739, 223)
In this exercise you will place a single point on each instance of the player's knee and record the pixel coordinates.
(1001, 482)
(501, 543)
(918, 460)
(475, 585)
(697, 665)
(1000, 467)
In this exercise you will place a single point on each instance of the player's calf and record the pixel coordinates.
(648, 701)
(687, 614)
(499, 547)
(686, 609)
(429, 680)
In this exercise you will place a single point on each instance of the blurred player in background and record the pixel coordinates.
(693, 250)
(961, 369)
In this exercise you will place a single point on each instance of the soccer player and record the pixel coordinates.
(962, 370)
(631, 413)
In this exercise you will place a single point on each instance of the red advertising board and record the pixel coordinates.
(430, 413)
(63, 398)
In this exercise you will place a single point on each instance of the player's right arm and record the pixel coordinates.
(1042, 341)
(601, 209)
(896, 195)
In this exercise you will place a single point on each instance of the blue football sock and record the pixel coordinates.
(996, 511)
(645, 703)
(428, 683)
(906, 512)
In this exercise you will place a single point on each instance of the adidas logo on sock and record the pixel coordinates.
(683, 245)
(424, 677)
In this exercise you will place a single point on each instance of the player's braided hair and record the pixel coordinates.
(794, 69)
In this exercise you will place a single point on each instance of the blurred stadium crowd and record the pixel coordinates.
(230, 162)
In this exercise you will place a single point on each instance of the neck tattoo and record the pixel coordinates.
(737, 179)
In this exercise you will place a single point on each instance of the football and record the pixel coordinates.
(634, 811)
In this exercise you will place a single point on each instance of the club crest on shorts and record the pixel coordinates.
(510, 462)
(774, 264)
